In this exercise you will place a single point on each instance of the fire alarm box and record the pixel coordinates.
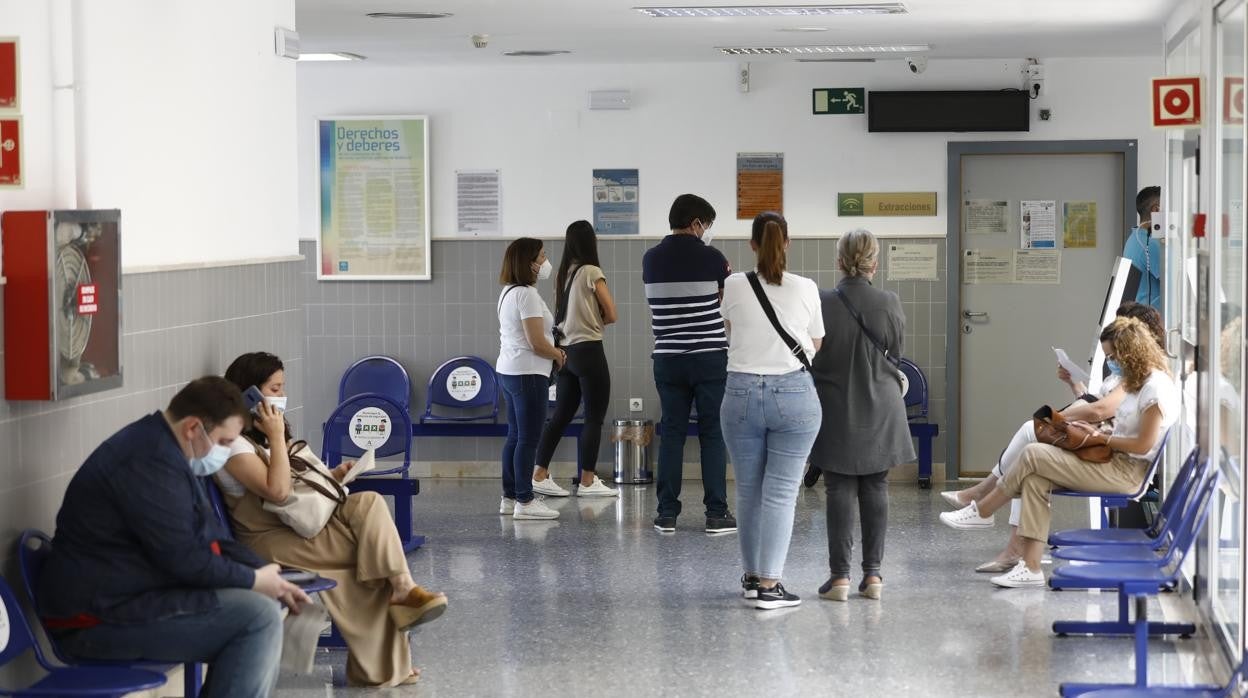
(62, 303)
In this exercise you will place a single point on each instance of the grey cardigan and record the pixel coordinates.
(864, 428)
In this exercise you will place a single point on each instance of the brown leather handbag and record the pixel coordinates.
(1051, 429)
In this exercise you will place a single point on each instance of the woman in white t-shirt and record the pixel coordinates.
(525, 356)
(1150, 405)
(376, 601)
(1094, 409)
(770, 413)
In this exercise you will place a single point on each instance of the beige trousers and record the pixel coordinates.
(360, 549)
(1043, 467)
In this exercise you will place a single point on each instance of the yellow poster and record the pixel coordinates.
(1079, 224)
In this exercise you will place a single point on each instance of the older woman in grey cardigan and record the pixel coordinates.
(864, 431)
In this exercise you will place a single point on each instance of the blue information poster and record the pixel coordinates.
(616, 211)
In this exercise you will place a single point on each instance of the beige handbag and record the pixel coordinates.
(314, 494)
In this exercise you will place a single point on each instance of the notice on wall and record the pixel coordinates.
(988, 266)
(1037, 266)
(984, 216)
(9, 76)
(1079, 224)
(760, 184)
(479, 202)
(616, 207)
(374, 176)
(1038, 224)
(912, 263)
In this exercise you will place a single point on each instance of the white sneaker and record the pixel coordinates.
(549, 488)
(1020, 576)
(507, 507)
(596, 489)
(535, 509)
(967, 518)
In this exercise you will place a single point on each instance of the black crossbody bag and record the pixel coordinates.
(893, 361)
(793, 345)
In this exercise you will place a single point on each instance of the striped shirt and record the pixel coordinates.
(683, 279)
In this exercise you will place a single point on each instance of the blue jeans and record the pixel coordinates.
(241, 642)
(770, 423)
(526, 412)
(685, 381)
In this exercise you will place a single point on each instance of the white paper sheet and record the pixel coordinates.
(367, 462)
(1077, 374)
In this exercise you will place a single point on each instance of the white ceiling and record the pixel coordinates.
(611, 31)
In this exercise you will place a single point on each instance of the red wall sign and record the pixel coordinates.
(11, 151)
(8, 73)
(1176, 102)
(1233, 101)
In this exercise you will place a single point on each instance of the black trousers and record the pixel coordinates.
(869, 494)
(584, 378)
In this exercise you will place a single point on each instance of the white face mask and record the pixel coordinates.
(278, 403)
(707, 235)
(213, 460)
(543, 272)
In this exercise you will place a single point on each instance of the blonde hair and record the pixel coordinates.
(1136, 350)
(857, 252)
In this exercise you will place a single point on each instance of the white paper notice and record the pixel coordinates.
(479, 201)
(1037, 266)
(1038, 224)
(984, 216)
(987, 267)
(1077, 374)
(912, 263)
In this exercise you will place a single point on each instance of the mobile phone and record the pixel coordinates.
(253, 397)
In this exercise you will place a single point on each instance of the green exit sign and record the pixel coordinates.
(839, 100)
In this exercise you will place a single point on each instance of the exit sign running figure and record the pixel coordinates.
(839, 100)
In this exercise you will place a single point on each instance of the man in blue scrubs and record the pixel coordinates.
(1143, 250)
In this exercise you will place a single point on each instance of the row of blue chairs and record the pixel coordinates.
(1139, 564)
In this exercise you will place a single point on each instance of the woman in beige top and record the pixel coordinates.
(376, 601)
(584, 306)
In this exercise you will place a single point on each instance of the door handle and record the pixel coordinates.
(968, 314)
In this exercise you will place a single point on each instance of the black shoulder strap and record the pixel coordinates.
(870, 335)
(561, 308)
(791, 343)
(502, 298)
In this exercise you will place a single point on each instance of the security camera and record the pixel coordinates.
(480, 40)
(916, 64)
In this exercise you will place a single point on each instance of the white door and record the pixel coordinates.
(1008, 329)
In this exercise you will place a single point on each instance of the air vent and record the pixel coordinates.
(409, 15)
(871, 8)
(536, 53)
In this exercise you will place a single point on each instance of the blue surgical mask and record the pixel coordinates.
(212, 461)
(1113, 366)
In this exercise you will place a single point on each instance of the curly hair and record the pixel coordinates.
(1148, 315)
(1136, 350)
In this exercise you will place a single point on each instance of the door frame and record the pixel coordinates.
(1128, 149)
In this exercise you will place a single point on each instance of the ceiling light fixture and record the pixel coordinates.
(339, 56)
(870, 8)
(833, 60)
(409, 15)
(799, 50)
(536, 53)
(802, 29)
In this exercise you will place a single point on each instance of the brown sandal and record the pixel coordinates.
(420, 606)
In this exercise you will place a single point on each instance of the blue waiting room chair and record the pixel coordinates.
(377, 374)
(1234, 684)
(113, 680)
(464, 385)
(338, 445)
(1135, 582)
(1120, 501)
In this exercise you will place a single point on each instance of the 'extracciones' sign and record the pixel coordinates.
(910, 203)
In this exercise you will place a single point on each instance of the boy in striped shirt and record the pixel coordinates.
(684, 279)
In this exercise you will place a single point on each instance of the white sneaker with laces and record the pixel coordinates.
(507, 507)
(967, 518)
(1020, 576)
(535, 509)
(549, 488)
(596, 489)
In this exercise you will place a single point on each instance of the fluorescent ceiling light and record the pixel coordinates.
(799, 50)
(340, 56)
(833, 60)
(409, 15)
(536, 53)
(802, 29)
(870, 8)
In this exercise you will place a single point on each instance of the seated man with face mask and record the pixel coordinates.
(142, 569)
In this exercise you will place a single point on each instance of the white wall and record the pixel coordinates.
(687, 124)
(184, 124)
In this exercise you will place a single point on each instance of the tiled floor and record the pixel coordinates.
(599, 604)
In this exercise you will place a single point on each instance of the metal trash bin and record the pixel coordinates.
(632, 439)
